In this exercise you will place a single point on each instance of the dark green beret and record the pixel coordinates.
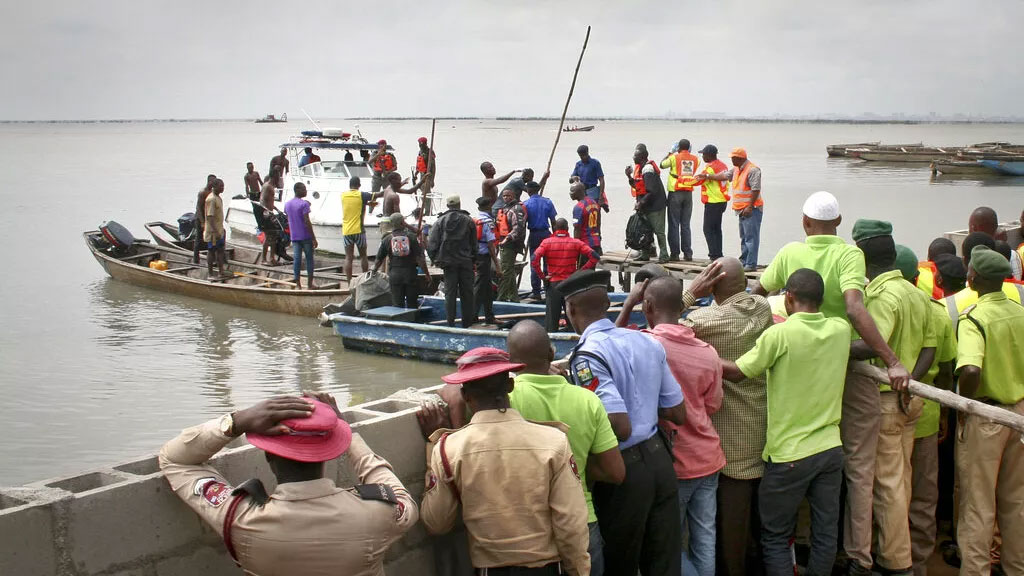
(864, 229)
(906, 262)
(583, 280)
(989, 264)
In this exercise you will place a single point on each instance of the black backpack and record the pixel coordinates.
(639, 232)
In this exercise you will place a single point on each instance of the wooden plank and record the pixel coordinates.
(263, 278)
(183, 268)
(137, 256)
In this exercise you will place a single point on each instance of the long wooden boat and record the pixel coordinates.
(962, 167)
(1005, 167)
(249, 286)
(840, 150)
(577, 129)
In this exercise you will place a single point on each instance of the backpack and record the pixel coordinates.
(639, 233)
(400, 246)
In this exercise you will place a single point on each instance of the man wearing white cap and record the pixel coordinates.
(842, 268)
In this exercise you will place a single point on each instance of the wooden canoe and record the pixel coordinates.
(244, 285)
(962, 167)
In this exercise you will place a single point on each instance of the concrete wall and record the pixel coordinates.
(125, 520)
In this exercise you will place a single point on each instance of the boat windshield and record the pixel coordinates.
(335, 169)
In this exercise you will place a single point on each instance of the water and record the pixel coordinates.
(93, 371)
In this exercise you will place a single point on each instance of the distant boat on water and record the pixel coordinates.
(271, 119)
(577, 129)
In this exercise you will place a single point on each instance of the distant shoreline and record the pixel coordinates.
(709, 120)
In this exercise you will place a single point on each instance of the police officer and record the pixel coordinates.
(286, 533)
(628, 372)
(517, 481)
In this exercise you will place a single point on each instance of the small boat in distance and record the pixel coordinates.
(577, 129)
(271, 119)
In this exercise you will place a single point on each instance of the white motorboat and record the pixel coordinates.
(325, 182)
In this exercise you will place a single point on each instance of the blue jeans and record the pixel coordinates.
(596, 550)
(698, 506)
(537, 235)
(750, 237)
(680, 208)
(784, 486)
(303, 247)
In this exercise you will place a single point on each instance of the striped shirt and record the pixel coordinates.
(732, 328)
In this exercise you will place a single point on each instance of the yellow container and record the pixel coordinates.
(158, 265)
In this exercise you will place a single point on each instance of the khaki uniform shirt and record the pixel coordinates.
(214, 223)
(522, 502)
(307, 528)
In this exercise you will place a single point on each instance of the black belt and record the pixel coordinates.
(553, 569)
(649, 446)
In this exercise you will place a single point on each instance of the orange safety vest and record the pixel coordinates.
(684, 167)
(479, 229)
(503, 228)
(639, 188)
(421, 163)
(926, 279)
(740, 191)
(384, 163)
(720, 190)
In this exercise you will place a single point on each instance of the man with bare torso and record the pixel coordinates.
(252, 181)
(489, 187)
(281, 162)
(392, 200)
(271, 230)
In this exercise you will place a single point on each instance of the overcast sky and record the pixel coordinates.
(237, 59)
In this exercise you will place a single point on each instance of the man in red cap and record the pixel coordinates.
(426, 165)
(308, 525)
(522, 501)
(382, 162)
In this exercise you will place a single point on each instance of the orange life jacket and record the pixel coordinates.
(479, 229)
(926, 273)
(384, 163)
(639, 188)
(740, 191)
(504, 228)
(421, 163)
(685, 167)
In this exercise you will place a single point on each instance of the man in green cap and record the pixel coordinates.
(901, 313)
(990, 457)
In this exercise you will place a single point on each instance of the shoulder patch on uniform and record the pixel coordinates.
(572, 465)
(585, 376)
(212, 490)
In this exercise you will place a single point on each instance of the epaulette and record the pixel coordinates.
(254, 489)
(380, 492)
(560, 425)
(441, 432)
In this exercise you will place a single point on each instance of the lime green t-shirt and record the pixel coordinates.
(552, 398)
(840, 265)
(945, 351)
(999, 352)
(805, 358)
(901, 312)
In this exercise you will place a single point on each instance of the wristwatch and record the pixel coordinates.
(227, 424)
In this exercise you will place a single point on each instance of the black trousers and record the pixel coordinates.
(639, 518)
(483, 292)
(198, 245)
(555, 303)
(713, 228)
(458, 283)
(738, 549)
(404, 287)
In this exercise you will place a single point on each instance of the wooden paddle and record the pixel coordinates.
(561, 123)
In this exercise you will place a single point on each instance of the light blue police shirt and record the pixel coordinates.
(639, 382)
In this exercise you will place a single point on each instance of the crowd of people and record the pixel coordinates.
(687, 447)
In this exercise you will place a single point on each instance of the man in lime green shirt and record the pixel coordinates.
(924, 463)
(841, 267)
(540, 396)
(805, 358)
(901, 312)
(990, 457)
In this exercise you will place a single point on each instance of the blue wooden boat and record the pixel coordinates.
(1007, 167)
(432, 308)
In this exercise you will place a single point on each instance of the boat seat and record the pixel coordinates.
(392, 313)
(183, 268)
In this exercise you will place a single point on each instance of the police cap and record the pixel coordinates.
(584, 280)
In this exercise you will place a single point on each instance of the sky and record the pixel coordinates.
(117, 59)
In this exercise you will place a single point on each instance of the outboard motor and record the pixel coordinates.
(120, 239)
(187, 227)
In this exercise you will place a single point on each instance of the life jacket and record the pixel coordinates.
(1020, 255)
(479, 229)
(964, 299)
(421, 163)
(714, 191)
(639, 188)
(384, 163)
(740, 191)
(504, 228)
(680, 176)
(926, 279)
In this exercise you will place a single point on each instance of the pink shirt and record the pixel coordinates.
(695, 365)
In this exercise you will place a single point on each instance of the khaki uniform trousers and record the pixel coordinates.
(859, 429)
(923, 500)
(990, 464)
(893, 481)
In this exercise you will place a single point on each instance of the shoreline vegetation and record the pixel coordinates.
(577, 119)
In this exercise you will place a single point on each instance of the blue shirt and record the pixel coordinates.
(639, 381)
(487, 232)
(539, 211)
(589, 172)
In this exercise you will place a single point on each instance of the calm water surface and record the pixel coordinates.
(93, 371)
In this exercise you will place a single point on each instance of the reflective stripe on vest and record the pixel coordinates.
(639, 188)
(926, 279)
(714, 191)
(964, 299)
(680, 176)
(741, 191)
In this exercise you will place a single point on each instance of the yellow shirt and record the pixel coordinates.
(989, 337)
(353, 206)
(901, 313)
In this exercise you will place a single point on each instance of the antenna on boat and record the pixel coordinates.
(315, 125)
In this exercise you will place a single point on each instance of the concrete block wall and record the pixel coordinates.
(125, 520)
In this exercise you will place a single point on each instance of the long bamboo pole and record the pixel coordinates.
(429, 174)
(947, 398)
(561, 123)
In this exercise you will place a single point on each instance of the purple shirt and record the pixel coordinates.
(296, 209)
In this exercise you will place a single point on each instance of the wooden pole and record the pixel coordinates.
(561, 123)
(429, 174)
(947, 398)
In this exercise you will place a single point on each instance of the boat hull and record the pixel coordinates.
(965, 167)
(1008, 168)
